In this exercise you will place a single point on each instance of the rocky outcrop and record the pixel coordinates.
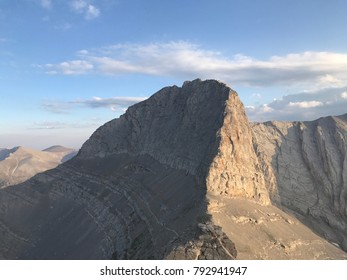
(211, 243)
(19, 164)
(305, 166)
(200, 128)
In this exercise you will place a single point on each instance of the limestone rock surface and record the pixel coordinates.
(305, 166)
(201, 128)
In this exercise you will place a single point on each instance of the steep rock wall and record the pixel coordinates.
(201, 128)
(305, 166)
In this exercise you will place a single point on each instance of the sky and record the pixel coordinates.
(69, 66)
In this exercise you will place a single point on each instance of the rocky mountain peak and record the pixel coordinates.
(201, 128)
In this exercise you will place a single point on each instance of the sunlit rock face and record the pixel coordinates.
(305, 166)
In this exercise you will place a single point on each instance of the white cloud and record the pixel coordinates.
(48, 125)
(305, 104)
(321, 74)
(83, 52)
(329, 81)
(113, 103)
(84, 7)
(92, 12)
(266, 109)
(302, 106)
(118, 104)
(182, 59)
(73, 67)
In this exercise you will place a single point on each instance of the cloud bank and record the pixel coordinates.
(117, 104)
(113, 103)
(320, 76)
(303, 106)
(183, 59)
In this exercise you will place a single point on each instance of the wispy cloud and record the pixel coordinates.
(52, 125)
(306, 104)
(48, 125)
(56, 107)
(73, 67)
(85, 7)
(303, 106)
(118, 104)
(113, 103)
(92, 12)
(183, 59)
(47, 4)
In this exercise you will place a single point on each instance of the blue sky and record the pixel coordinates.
(68, 66)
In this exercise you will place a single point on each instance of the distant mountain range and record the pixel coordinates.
(19, 164)
(184, 175)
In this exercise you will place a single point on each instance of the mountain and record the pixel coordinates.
(19, 164)
(305, 164)
(65, 153)
(181, 175)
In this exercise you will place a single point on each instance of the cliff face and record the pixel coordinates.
(177, 176)
(200, 128)
(305, 166)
